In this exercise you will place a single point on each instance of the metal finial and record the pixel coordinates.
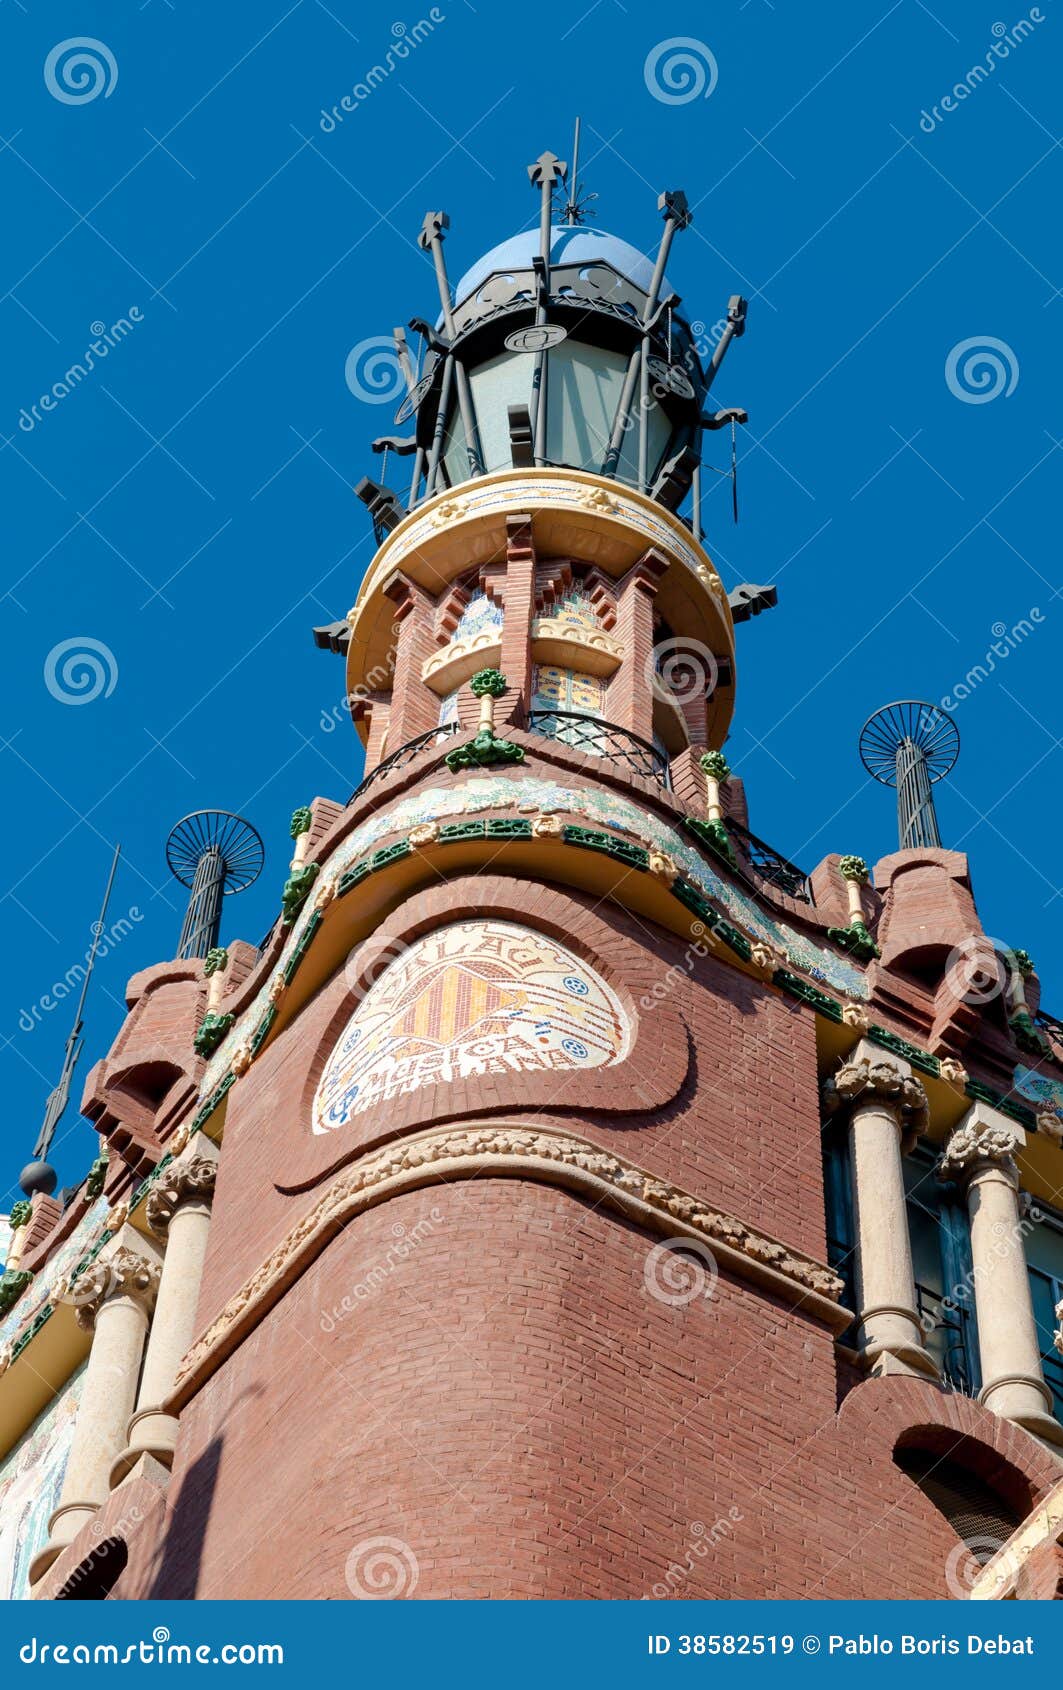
(212, 852)
(911, 745)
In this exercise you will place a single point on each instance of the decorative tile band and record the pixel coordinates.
(501, 1151)
(354, 858)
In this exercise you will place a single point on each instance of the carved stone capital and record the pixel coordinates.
(880, 1079)
(976, 1145)
(183, 1182)
(125, 1273)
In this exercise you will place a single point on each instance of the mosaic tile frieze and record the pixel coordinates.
(603, 808)
(60, 1265)
(474, 997)
(1040, 1089)
(31, 1479)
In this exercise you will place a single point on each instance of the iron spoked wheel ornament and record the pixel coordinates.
(220, 832)
(909, 722)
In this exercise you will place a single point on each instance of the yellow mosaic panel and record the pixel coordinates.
(476, 997)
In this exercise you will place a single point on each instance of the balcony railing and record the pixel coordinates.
(602, 739)
(769, 865)
(405, 754)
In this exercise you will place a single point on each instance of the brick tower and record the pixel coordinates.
(571, 1198)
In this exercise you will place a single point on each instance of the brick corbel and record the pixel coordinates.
(516, 627)
(631, 688)
(414, 706)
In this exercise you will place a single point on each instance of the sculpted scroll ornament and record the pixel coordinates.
(555, 1158)
(124, 1274)
(976, 1144)
(181, 1183)
(864, 1081)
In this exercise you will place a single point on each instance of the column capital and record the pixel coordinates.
(190, 1179)
(983, 1139)
(871, 1075)
(124, 1272)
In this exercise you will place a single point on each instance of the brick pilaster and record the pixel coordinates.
(414, 706)
(516, 662)
(630, 698)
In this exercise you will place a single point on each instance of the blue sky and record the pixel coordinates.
(187, 507)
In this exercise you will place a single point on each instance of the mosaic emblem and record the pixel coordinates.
(477, 997)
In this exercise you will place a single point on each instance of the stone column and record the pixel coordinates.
(178, 1212)
(113, 1298)
(884, 1104)
(980, 1158)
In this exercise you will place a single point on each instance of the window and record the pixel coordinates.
(939, 1234)
(939, 1238)
(1044, 1256)
(975, 1512)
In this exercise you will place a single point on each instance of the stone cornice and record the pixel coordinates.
(522, 1152)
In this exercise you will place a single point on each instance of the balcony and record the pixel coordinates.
(613, 744)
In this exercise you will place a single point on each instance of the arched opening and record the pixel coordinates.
(95, 1577)
(981, 1516)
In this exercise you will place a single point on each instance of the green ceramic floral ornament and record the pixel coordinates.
(300, 822)
(488, 682)
(215, 961)
(212, 1029)
(715, 765)
(854, 868)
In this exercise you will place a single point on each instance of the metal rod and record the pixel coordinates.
(917, 822)
(676, 216)
(202, 923)
(543, 174)
(440, 425)
(409, 375)
(59, 1096)
(431, 240)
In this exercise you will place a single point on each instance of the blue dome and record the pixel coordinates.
(571, 244)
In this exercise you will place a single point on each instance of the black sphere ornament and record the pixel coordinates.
(38, 1177)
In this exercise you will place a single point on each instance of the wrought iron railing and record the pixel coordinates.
(1051, 1025)
(405, 754)
(953, 1322)
(770, 865)
(602, 739)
